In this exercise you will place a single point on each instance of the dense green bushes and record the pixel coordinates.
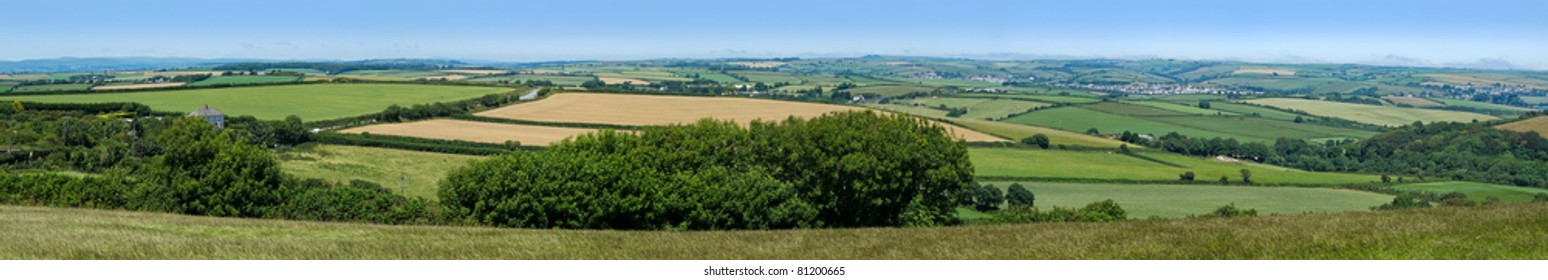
(216, 173)
(411, 143)
(839, 170)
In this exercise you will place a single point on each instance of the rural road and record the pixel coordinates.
(531, 95)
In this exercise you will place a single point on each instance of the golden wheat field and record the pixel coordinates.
(530, 135)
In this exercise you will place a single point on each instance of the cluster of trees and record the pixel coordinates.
(411, 143)
(205, 171)
(1040, 140)
(843, 169)
(397, 113)
(1101, 211)
(1454, 151)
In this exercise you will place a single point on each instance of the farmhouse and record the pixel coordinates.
(215, 117)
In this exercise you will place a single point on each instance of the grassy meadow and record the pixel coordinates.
(1035, 164)
(1155, 119)
(980, 108)
(1175, 201)
(1477, 191)
(420, 171)
(48, 88)
(243, 80)
(1513, 231)
(1371, 114)
(310, 102)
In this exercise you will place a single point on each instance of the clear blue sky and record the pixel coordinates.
(1479, 33)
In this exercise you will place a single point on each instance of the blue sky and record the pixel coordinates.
(1436, 33)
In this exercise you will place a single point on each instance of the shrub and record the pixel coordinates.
(1018, 195)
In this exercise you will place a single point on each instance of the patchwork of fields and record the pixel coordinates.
(1152, 118)
(310, 102)
(1477, 191)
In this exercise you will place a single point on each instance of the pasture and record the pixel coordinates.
(528, 135)
(1477, 191)
(476, 71)
(135, 86)
(558, 80)
(1040, 98)
(310, 102)
(1475, 105)
(1538, 124)
(419, 172)
(980, 108)
(49, 88)
(1507, 79)
(1371, 114)
(1181, 108)
(1012, 131)
(1110, 166)
(620, 81)
(1114, 118)
(890, 90)
(1263, 71)
(1412, 101)
(1176, 201)
(1500, 232)
(243, 80)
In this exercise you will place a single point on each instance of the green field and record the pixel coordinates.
(1513, 231)
(558, 80)
(1477, 191)
(890, 90)
(48, 88)
(980, 108)
(1535, 99)
(1173, 201)
(1480, 105)
(1117, 167)
(310, 102)
(243, 80)
(1187, 109)
(1534, 81)
(1042, 98)
(1250, 110)
(1371, 114)
(709, 75)
(646, 75)
(420, 171)
(1011, 131)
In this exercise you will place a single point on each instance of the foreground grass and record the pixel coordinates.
(1175, 201)
(420, 171)
(310, 102)
(1512, 231)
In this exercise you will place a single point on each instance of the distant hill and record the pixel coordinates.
(78, 64)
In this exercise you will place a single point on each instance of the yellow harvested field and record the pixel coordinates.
(530, 135)
(1281, 72)
(1371, 114)
(1413, 101)
(1538, 124)
(634, 109)
(476, 72)
(447, 77)
(177, 73)
(4, 76)
(619, 81)
(136, 86)
(760, 64)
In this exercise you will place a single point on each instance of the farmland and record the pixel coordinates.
(48, 88)
(1379, 115)
(630, 109)
(890, 90)
(530, 135)
(1500, 232)
(558, 80)
(1412, 101)
(135, 86)
(1111, 166)
(1477, 191)
(1479, 105)
(1489, 78)
(243, 80)
(310, 102)
(1008, 130)
(419, 172)
(1114, 118)
(1537, 124)
(981, 108)
(1175, 201)
(620, 81)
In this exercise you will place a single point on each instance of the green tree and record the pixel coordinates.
(1040, 140)
(1018, 195)
(1186, 176)
(1204, 104)
(205, 172)
(1246, 176)
(1540, 197)
(988, 198)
